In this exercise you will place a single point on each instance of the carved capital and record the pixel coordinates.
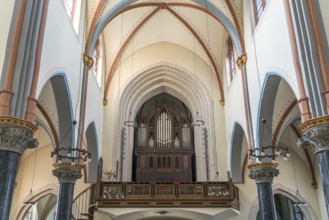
(16, 135)
(67, 174)
(317, 138)
(264, 172)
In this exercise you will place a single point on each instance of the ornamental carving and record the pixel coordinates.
(67, 175)
(16, 139)
(316, 138)
(263, 174)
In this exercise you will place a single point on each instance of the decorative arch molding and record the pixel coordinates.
(206, 6)
(236, 152)
(307, 210)
(171, 79)
(63, 103)
(37, 194)
(92, 145)
(266, 108)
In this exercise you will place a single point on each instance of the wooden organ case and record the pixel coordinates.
(164, 149)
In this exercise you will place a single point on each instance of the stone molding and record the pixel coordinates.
(263, 172)
(317, 138)
(67, 174)
(16, 135)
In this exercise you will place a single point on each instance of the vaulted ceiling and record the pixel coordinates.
(200, 27)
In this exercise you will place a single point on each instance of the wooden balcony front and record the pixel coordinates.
(167, 194)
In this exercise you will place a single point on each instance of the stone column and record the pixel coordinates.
(67, 175)
(264, 173)
(317, 138)
(15, 137)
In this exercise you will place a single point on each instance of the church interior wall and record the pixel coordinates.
(324, 7)
(62, 48)
(6, 11)
(271, 53)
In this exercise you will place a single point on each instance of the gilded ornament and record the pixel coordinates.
(88, 60)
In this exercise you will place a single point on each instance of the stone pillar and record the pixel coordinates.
(15, 137)
(317, 138)
(67, 175)
(264, 173)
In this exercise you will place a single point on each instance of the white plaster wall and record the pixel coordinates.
(6, 12)
(324, 7)
(62, 51)
(273, 52)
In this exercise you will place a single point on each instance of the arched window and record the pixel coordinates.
(169, 162)
(98, 62)
(151, 162)
(177, 162)
(72, 8)
(164, 162)
(259, 6)
(159, 162)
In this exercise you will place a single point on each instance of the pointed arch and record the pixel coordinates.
(237, 145)
(267, 106)
(92, 145)
(55, 94)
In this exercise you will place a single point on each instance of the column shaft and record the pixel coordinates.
(8, 169)
(266, 201)
(64, 201)
(323, 161)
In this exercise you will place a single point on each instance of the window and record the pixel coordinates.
(231, 59)
(98, 62)
(72, 8)
(259, 6)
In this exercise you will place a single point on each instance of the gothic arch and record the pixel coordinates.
(177, 82)
(270, 98)
(207, 6)
(92, 145)
(55, 95)
(307, 209)
(237, 151)
(50, 189)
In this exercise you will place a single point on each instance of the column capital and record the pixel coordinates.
(316, 137)
(67, 173)
(263, 172)
(16, 135)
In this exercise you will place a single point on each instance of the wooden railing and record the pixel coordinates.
(167, 194)
(83, 204)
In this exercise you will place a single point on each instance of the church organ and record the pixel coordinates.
(164, 148)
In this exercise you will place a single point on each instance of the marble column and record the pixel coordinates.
(15, 137)
(263, 174)
(317, 138)
(67, 175)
